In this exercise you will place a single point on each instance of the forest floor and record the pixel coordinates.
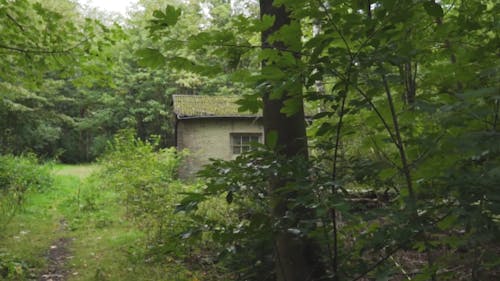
(77, 230)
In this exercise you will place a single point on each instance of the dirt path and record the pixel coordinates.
(59, 253)
(57, 256)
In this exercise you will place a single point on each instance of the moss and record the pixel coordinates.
(208, 106)
(193, 106)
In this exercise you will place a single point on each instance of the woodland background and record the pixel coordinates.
(398, 178)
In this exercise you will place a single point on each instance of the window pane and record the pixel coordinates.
(236, 150)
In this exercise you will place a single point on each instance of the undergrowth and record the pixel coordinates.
(121, 217)
(25, 186)
(108, 240)
(144, 178)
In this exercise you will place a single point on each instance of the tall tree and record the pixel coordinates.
(286, 133)
(42, 45)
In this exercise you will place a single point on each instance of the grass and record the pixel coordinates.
(79, 171)
(28, 236)
(105, 246)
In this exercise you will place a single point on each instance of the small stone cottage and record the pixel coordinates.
(211, 127)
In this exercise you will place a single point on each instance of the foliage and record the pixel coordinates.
(19, 175)
(80, 78)
(403, 178)
(103, 245)
(146, 178)
(247, 239)
(53, 49)
(393, 131)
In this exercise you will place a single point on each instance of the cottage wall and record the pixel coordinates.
(207, 138)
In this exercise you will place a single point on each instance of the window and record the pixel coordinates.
(242, 142)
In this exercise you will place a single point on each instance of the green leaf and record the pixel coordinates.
(162, 20)
(322, 114)
(172, 15)
(190, 202)
(291, 106)
(150, 57)
(324, 128)
(447, 223)
(272, 72)
(433, 9)
(158, 14)
(386, 174)
(250, 103)
(272, 139)
(289, 35)
(265, 23)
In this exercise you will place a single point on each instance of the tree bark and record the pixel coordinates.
(296, 256)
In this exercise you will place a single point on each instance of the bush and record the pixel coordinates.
(19, 175)
(146, 179)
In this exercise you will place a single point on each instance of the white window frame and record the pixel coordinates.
(241, 142)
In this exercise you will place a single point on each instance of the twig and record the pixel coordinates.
(15, 21)
(372, 105)
(399, 142)
(333, 212)
(425, 153)
(398, 265)
(337, 29)
(384, 155)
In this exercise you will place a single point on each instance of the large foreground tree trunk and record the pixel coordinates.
(296, 256)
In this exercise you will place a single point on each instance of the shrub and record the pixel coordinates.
(146, 179)
(19, 175)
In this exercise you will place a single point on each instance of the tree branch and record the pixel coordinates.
(384, 155)
(15, 21)
(399, 142)
(372, 105)
(40, 51)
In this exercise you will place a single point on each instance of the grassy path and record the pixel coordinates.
(59, 254)
(76, 231)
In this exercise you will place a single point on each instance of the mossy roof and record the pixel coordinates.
(193, 106)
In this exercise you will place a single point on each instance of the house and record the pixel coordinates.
(211, 127)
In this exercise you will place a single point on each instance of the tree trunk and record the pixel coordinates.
(296, 256)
